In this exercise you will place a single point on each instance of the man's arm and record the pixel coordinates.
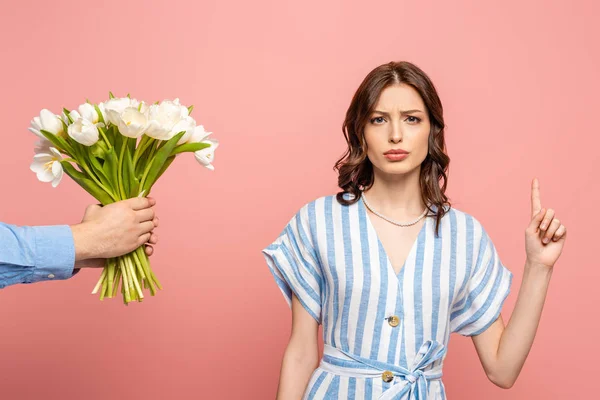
(31, 254)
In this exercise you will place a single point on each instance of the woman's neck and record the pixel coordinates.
(396, 196)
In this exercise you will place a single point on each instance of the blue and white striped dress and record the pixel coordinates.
(330, 256)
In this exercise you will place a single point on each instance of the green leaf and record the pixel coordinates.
(159, 160)
(97, 168)
(131, 146)
(110, 166)
(68, 114)
(117, 141)
(165, 166)
(190, 108)
(190, 147)
(144, 157)
(110, 95)
(100, 117)
(65, 126)
(87, 184)
(110, 134)
(135, 187)
(99, 149)
(58, 142)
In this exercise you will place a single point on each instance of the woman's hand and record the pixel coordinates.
(545, 236)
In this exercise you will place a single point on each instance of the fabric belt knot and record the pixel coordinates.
(413, 384)
(412, 378)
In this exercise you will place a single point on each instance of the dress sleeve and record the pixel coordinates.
(294, 263)
(485, 292)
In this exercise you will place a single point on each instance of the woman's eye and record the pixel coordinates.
(377, 120)
(413, 119)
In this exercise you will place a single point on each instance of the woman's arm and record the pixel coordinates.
(301, 355)
(503, 350)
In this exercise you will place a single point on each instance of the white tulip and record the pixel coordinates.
(183, 109)
(88, 111)
(84, 131)
(162, 118)
(132, 123)
(198, 135)
(47, 121)
(42, 146)
(74, 114)
(187, 124)
(115, 107)
(47, 166)
(143, 107)
(207, 155)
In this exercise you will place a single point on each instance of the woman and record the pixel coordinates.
(390, 269)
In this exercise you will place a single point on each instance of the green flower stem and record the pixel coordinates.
(142, 146)
(97, 287)
(155, 149)
(126, 281)
(146, 171)
(110, 275)
(104, 137)
(117, 280)
(120, 167)
(152, 280)
(156, 280)
(138, 266)
(140, 257)
(104, 285)
(136, 283)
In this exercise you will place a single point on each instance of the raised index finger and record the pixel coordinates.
(536, 204)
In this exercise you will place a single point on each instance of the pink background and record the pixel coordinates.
(272, 79)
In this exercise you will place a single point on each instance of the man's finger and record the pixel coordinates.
(139, 203)
(143, 239)
(147, 214)
(146, 228)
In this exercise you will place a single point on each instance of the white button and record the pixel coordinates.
(51, 276)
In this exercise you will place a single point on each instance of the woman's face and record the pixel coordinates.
(399, 121)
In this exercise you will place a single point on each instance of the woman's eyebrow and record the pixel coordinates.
(405, 112)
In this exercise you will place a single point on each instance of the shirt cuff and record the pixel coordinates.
(54, 253)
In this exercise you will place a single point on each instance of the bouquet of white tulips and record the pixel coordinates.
(117, 150)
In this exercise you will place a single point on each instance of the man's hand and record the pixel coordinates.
(114, 230)
(101, 262)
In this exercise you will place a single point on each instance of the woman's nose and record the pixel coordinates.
(396, 133)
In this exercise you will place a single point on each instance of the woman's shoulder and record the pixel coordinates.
(464, 220)
(320, 201)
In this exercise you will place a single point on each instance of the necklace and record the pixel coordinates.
(389, 219)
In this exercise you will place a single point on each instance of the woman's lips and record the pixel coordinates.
(396, 156)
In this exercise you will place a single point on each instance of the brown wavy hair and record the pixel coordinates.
(354, 167)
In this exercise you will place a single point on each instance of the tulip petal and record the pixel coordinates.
(50, 122)
(57, 170)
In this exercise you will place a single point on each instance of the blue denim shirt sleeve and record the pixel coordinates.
(30, 254)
